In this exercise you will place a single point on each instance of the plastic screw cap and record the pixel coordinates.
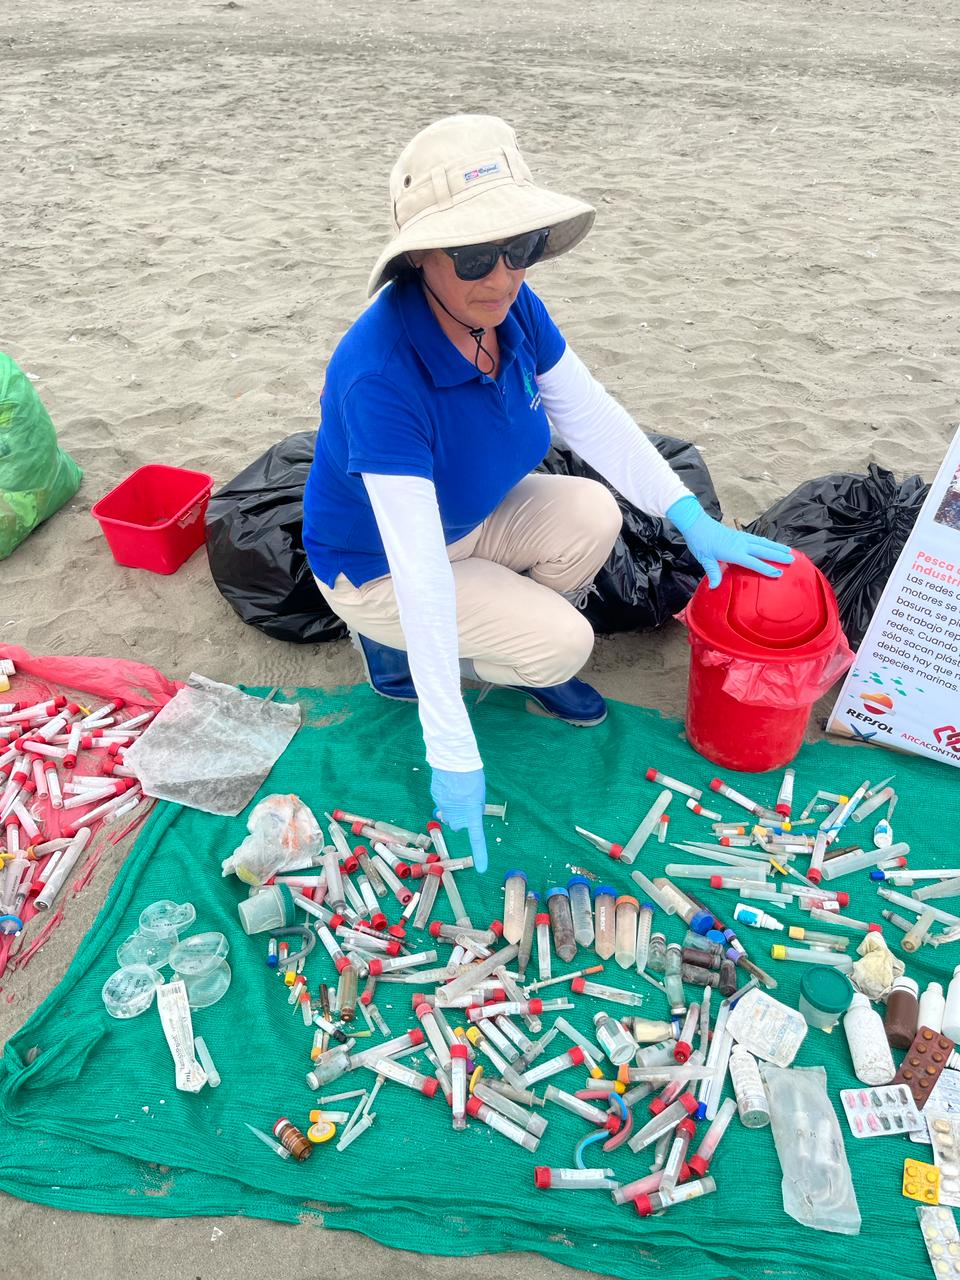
(542, 1178)
(430, 1086)
(577, 985)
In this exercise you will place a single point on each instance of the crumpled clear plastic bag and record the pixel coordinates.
(212, 746)
(788, 685)
(817, 1187)
(284, 835)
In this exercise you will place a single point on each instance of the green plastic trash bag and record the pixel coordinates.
(36, 476)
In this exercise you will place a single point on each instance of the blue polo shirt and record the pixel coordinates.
(400, 399)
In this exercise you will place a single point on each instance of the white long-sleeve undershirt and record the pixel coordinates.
(601, 431)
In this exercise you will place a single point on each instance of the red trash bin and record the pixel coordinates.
(762, 651)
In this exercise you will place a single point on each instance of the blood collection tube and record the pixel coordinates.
(347, 993)
(834, 867)
(684, 1046)
(547, 1179)
(395, 964)
(835, 958)
(658, 1200)
(736, 797)
(604, 906)
(434, 1034)
(514, 895)
(427, 1085)
(561, 923)
(858, 926)
(664, 780)
(389, 1048)
(392, 859)
(393, 883)
(385, 828)
(675, 1159)
(530, 913)
(331, 946)
(617, 995)
(543, 946)
(665, 1122)
(785, 796)
(605, 846)
(627, 908)
(454, 932)
(458, 1085)
(831, 941)
(369, 869)
(644, 925)
(699, 1164)
(428, 897)
(554, 1066)
(578, 888)
(695, 807)
(579, 1106)
(494, 1120)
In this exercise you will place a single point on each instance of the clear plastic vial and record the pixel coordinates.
(530, 910)
(749, 1090)
(614, 1039)
(657, 959)
(561, 923)
(863, 1027)
(626, 931)
(578, 887)
(673, 980)
(604, 909)
(544, 966)
(644, 925)
(514, 893)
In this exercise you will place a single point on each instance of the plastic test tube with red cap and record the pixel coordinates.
(547, 1179)
(684, 1046)
(737, 797)
(494, 1120)
(394, 964)
(618, 995)
(458, 1077)
(553, 1066)
(695, 807)
(683, 1136)
(667, 1120)
(388, 1049)
(650, 1204)
(605, 846)
(427, 1085)
(700, 1163)
(664, 780)
(386, 828)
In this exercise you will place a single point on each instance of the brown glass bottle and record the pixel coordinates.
(900, 1021)
(289, 1136)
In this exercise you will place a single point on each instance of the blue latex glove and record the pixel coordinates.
(713, 543)
(459, 799)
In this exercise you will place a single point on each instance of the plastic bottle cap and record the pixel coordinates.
(379, 921)
(643, 1206)
(336, 920)
(715, 784)
(430, 1086)
(688, 1126)
(690, 1103)
(843, 898)
(814, 875)
(434, 826)
(576, 1055)
(393, 947)
(604, 890)
(473, 1106)
(542, 1177)
(698, 1166)
(651, 775)
(628, 898)
(874, 928)
(350, 864)
(701, 922)
(716, 882)
(778, 951)
(542, 918)
(682, 1051)
(615, 852)
(434, 929)
(556, 892)
(458, 1051)
(416, 1035)
(656, 1106)
(877, 874)
(423, 1009)
(374, 968)
(578, 880)
(496, 928)
(577, 985)
(397, 931)
(356, 828)
(536, 1005)
(508, 875)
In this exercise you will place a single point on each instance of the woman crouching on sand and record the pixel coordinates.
(423, 525)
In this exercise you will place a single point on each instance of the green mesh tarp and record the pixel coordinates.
(94, 1121)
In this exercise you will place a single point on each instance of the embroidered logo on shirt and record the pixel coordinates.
(482, 171)
(530, 387)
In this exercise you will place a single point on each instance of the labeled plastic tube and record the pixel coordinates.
(554, 1066)
(728, 875)
(664, 780)
(530, 912)
(659, 1200)
(699, 1163)
(911, 904)
(67, 860)
(544, 967)
(391, 880)
(460, 913)
(834, 867)
(677, 1154)
(427, 1085)
(831, 941)
(673, 981)
(798, 954)
(736, 797)
(458, 1085)
(388, 1049)
(494, 1120)
(534, 1124)
(644, 925)
(845, 922)
(627, 909)
(561, 923)
(475, 974)
(578, 1106)
(456, 932)
(394, 964)
(578, 888)
(646, 827)
(665, 1122)
(370, 871)
(600, 991)
(604, 908)
(177, 1027)
(547, 1179)
(684, 1046)
(387, 828)
(871, 803)
(436, 1037)
(428, 897)
(514, 896)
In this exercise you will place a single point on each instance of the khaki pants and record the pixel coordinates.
(549, 535)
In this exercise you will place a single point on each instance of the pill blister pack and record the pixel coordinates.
(944, 1100)
(881, 1111)
(942, 1239)
(945, 1137)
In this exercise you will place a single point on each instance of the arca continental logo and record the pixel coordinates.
(948, 735)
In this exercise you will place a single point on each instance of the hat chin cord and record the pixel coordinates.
(476, 334)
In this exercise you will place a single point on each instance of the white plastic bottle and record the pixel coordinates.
(748, 1087)
(932, 1005)
(951, 1012)
(872, 1060)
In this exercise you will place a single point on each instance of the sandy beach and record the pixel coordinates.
(193, 196)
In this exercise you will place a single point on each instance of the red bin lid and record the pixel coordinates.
(767, 619)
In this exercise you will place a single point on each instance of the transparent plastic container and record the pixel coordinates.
(604, 909)
(626, 931)
(578, 887)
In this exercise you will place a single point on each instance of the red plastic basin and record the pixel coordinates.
(154, 519)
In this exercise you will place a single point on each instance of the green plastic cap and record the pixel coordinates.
(826, 989)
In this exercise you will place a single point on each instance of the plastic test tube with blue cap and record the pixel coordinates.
(578, 888)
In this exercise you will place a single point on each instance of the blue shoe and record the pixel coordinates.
(573, 701)
(387, 669)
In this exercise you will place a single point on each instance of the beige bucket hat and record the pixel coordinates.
(462, 181)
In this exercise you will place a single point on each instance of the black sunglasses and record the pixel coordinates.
(474, 261)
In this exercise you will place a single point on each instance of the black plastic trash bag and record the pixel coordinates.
(255, 546)
(853, 529)
(650, 574)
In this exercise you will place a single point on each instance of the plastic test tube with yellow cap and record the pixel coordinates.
(835, 958)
